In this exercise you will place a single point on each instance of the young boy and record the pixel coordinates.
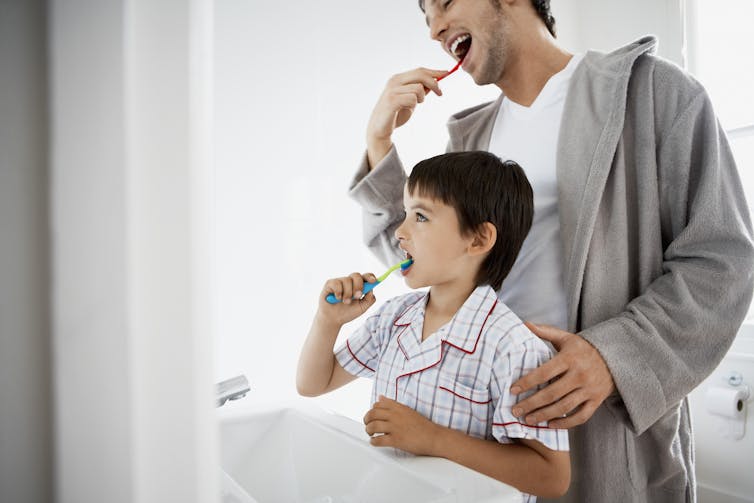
(443, 360)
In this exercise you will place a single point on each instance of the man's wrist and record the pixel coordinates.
(377, 150)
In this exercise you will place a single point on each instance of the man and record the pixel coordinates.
(639, 264)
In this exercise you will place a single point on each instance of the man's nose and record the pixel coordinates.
(437, 27)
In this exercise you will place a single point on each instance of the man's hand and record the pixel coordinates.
(399, 426)
(583, 383)
(394, 108)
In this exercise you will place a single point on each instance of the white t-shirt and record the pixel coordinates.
(534, 288)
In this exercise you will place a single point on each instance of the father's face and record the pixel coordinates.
(473, 30)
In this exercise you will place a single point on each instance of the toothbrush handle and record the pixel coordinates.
(367, 288)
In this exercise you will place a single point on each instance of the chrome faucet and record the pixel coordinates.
(232, 389)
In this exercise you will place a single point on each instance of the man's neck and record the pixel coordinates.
(529, 69)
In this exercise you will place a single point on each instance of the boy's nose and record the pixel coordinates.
(400, 231)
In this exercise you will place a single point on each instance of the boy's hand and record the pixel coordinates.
(402, 427)
(348, 290)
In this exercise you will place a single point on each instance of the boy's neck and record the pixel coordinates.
(443, 303)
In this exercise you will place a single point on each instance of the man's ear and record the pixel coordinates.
(484, 239)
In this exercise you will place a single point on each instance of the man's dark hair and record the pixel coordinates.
(541, 6)
(481, 188)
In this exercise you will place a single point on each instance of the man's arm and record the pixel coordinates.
(677, 331)
(526, 465)
(395, 106)
(378, 184)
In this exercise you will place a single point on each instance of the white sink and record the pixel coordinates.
(307, 455)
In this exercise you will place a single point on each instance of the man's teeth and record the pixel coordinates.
(457, 41)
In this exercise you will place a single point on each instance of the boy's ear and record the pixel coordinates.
(484, 239)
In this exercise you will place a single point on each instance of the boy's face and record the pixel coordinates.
(431, 235)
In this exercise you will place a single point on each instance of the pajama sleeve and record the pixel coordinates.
(509, 367)
(361, 352)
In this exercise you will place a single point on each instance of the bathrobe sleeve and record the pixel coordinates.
(380, 194)
(673, 335)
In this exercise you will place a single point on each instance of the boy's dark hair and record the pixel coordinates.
(541, 6)
(481, 188)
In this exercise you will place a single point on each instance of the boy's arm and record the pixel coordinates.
(318, 370)
(526, 465)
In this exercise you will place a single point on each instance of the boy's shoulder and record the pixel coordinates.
(511, 334)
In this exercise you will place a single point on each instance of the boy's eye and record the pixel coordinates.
(446, 3)
(420, 217)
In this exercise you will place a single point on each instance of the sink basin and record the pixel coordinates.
(308, 455)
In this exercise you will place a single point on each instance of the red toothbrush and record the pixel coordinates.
(458, 65)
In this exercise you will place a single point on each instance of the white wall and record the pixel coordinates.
(293, 92)
(25, 395)
(294, 89)
(606, 24)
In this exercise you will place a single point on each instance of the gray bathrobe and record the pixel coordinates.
(657, 255)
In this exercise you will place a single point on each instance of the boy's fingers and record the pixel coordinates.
(355, 284)
(385, 440)
(367, 301)
(335, 287)
(373, 427)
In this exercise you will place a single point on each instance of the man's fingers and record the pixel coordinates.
(548, 333)
(557, 409)
(424, 76)
(540, 375)
(544, 398)
(576, 418)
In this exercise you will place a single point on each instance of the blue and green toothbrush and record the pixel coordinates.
(369, 286)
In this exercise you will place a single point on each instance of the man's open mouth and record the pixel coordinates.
(460, 46)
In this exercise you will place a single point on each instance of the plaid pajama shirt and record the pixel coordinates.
(460, 376)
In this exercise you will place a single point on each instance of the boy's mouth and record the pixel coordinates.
(404, 272)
